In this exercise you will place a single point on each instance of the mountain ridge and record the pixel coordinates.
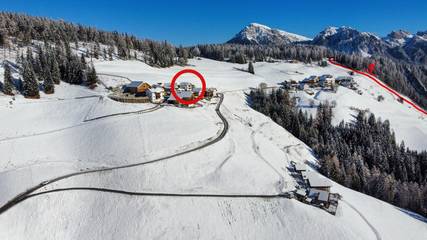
(259, 34)
(398, 44)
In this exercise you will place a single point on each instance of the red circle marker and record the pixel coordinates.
(188, 102)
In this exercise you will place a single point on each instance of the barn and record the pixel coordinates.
(136, 87)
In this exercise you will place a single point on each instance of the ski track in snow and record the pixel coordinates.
(377, 234)
(255, 147)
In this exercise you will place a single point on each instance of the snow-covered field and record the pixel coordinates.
(41, 139)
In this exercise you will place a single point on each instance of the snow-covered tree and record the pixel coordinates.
(92, 78)
(48, 84)
(30, 84)
(251, 68)
(8, 81)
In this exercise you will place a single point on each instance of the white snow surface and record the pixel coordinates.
(42, 139)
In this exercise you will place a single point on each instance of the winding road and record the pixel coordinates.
(29, 192)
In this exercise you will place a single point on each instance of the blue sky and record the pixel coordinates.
(189, 22)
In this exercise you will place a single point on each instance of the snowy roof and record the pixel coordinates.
(185, 94)
(300, 167)
(315, 180)
(182, 95)
(184, 84)
(344, 78)
(134, 84)
(301, 192)
(325, 77)
(157, 90)
(321, 195)
(304, 174)
(171, 98)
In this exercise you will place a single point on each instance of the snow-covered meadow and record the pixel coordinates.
(41, 139)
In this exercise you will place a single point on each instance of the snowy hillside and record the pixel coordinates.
(256, 33)
(60, 134)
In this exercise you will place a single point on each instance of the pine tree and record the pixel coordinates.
(110, 53)
(8, 82)
(96, 50)
(2, 39)
(30, 85)
(83, 59)
(56, 72)
(48, 84)
(251, 68)
(92, 78)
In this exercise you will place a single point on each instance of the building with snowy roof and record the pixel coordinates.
(314, 180)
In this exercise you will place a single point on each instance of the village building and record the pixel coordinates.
(136, 87)
(156, 94)
(172, 100)
(345, 81)
(301, 194)
(304, 86)
(210, 92)
(167, 87)
(299, 167)
(291, 85)
(312, 80)
(184, 95)
(314, 189)
(320, 196)
(185, 86)
(327, 81)
(196, 92)
(320, 183)
(328, 201)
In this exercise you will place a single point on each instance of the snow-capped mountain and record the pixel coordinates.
(399, 44)
(398, 38)
(349, 40)
(259, 34)
(416, 48)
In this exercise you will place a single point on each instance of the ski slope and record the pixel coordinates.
(42, 139)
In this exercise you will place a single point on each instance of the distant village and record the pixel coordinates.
(143, 92)
(313, 189)
(324, 82)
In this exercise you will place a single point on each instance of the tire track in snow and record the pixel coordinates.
(85, 122)
(229, 155)
(377, 234)
(255, 147)
(156, 194)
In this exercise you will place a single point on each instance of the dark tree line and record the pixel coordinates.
(362, 155)
(409, 79)
(48, 65)
(24, 29)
